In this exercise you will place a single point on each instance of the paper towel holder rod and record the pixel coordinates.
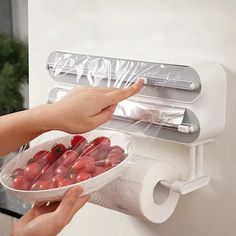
(196, 179)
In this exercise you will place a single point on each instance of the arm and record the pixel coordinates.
(19, 128)
(83, 109)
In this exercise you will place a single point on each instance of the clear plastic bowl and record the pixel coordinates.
(91, 185)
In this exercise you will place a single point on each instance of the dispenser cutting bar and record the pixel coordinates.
(151, 81)
(183, 128)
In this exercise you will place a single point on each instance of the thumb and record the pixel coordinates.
(70, 204)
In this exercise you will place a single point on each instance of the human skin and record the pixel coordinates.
(50, 220)
(82, 110)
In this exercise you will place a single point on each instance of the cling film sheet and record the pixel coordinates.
(69, 70)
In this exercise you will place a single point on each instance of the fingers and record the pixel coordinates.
(104, 115)
(25, 219)
(99, 89)
(69, 200)
(40, 209)
(79, 204)
(54, 221)
(39, 204)
(69, 205)
(107, 89)
(119, 95)
(37, 210)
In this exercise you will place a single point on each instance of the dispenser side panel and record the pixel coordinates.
(210, 108)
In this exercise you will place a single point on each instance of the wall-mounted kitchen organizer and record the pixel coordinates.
(188, 102)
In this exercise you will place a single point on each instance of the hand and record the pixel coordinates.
(81, 110)
(50, 220)
(84, 109)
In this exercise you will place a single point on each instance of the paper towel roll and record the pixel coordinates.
(138, 193)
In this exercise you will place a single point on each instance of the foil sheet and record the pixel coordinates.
(150, 113)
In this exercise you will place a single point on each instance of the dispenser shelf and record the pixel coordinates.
(193, 90)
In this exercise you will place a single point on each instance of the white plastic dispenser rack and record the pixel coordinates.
(179, 103)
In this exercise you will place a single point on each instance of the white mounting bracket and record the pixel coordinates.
(196, 178)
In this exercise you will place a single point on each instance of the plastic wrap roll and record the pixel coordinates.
(138, 192)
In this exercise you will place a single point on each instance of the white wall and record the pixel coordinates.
(149, 30)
